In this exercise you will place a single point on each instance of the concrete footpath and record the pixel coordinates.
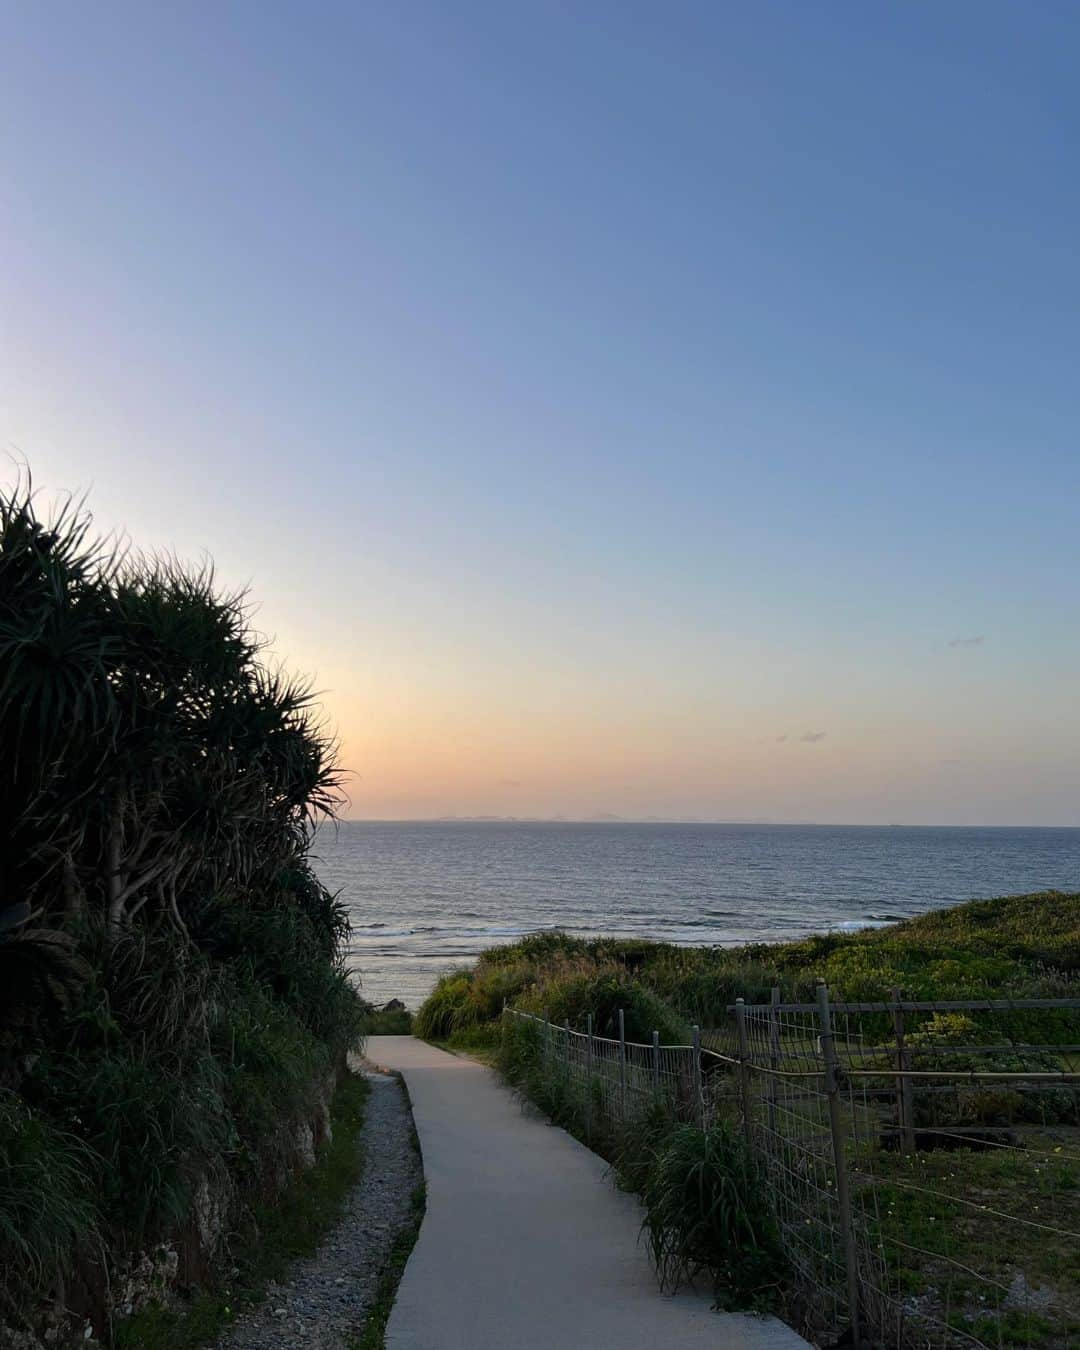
(527, 1244)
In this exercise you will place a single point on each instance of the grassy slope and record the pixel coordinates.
(1016, 946)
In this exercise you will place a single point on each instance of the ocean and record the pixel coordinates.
(426, 896)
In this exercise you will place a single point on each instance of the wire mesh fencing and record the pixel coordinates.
(921, 1160)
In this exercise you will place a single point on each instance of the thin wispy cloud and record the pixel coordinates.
(968, 641)
(811, 736)
(781, 739)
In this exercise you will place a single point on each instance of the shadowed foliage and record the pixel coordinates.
(172, 982)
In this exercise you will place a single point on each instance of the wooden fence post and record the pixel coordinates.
(774, 1059)
(836, 1128)
(744, 1070)
(588, 1077)
(656, 1064)
(905, 1106)
(699, 1090)
(622, 1067)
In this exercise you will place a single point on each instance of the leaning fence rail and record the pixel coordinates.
(921, 1159)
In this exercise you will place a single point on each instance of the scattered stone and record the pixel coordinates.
(1027, 1297)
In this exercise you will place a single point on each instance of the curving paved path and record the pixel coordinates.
(526, 1244)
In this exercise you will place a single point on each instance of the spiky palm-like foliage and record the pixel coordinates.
(149, 757)
(159, 786)
(704, 1211)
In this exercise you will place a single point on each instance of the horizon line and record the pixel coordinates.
(689, 820)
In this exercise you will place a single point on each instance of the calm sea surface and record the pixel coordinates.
(427, 896)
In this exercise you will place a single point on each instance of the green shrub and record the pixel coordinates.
(445, 1007)
(536, 949)
(284, 948)
(572, 998)
(272, 1062)
(145, 1116)
(636, 1146)
(387, 1021)
(47, 1211)
(704, 1212)
(132, 1074)
(466, 999)
(479, 1039)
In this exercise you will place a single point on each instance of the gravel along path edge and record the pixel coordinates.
(326, 1299)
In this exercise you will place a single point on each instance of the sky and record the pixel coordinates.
(656, 410)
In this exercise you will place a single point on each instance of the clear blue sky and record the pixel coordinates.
(593, 394)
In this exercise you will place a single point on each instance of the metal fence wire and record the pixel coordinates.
(921, 1159)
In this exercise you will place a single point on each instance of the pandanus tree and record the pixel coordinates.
(172, 975)
(149, 761)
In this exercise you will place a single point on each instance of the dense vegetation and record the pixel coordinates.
(1020, 946)
(172, 985)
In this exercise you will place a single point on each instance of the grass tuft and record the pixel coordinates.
(705, 1211)
(46, 1203)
